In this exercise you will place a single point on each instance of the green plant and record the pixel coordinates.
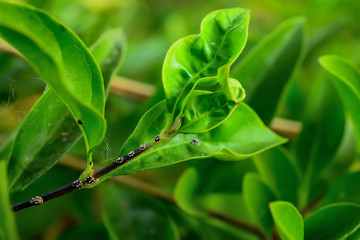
(239, 184)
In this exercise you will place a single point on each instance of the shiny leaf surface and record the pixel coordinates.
(288, 220)
(241, 136)
(49, 130)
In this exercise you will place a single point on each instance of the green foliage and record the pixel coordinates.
(279, 54)
(193, 59)
(63, 61)
(249, 137)
(347, 83)
(336, 221)
(288, 221)
(51, 135)
(257, 196)
(229, 176)
(131, 217)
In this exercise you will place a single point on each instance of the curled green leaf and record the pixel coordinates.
(222, 38)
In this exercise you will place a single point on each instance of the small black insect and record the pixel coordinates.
(142, 147)
(157, 139)
(80, 122)
(195, 142)
(131, 154)
(77, 184)
(89, 180)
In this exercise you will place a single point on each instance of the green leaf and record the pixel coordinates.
(270, 65)
(257, 196)
(344, 189)
(43, 138)
(195, 191)
(232, 87)
(222, 38)
(323, 128)
(277, 168)
(335, 221)
(63, 61)
(288, 220)
(241, 136)
(185, 190)
(355, 235)
(129, 215)
(347, 82)
(206, 110)
(7, 221)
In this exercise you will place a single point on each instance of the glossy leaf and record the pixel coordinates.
(347, 82)
(222, 38)
(257, 196)
(344, 189)
(7, 220)
(63, 61)
(270, 65)
(279, 172)
(288, 220)
(316, 146)
(205, 111)
(43, 138)
(128, 215)
(335, 221)
(241, 136)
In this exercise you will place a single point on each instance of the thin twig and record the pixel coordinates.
(79, 183)
(135, 183)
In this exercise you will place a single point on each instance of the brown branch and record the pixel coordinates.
(286, 127)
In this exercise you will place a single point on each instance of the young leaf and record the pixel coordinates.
(347, 82)
(43, 138)
(241, 136)
(206, 110)
(7, 221)
(335, 221)
(270, 66)
(288, 220)
(63, 61)
(257, 196)
(222, 38)
(276, 168)
(128, 215)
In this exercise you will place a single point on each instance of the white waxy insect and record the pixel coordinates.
(131, 154)
(195, 142)
(120, 160)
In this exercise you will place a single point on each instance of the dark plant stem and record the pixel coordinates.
(78, 184)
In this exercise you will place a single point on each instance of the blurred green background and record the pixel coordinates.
(150, 27)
